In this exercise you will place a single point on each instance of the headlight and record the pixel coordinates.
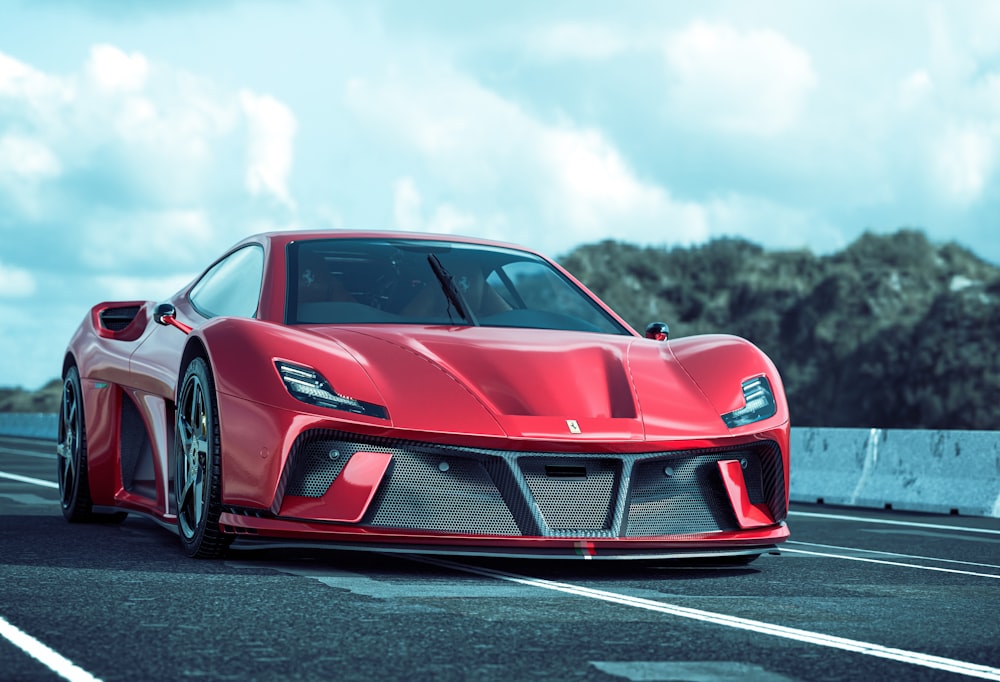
(759, 404)
(311, 387)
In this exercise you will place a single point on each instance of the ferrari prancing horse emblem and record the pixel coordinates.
(573, 426)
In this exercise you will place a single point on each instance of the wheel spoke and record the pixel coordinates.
(188, 482)
(68, 468)
(184, 433)
(201, 446)
(199, 500)
(68, 476)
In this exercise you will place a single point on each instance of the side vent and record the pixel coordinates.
(116, 319)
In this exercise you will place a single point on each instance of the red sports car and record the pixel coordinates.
(419, 393)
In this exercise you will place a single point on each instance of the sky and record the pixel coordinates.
(139, 140)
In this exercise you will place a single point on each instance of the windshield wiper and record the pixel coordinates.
(451, 291)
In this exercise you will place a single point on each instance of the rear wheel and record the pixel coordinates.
(74, 484)
(197, 479)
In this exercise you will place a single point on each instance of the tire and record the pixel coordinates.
(71, 448)
(198, 465)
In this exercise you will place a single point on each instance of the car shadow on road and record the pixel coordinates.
(141, 544)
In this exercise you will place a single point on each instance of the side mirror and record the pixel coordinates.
(658, 331)
(162, 311)
(166, 315)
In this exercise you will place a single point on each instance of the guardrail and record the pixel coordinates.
(946, 472)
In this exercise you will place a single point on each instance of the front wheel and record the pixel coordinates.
(71, 448)
(198, 474)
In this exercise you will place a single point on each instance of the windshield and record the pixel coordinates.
(395, 281)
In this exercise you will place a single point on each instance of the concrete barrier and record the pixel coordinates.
(24, 425)
(947, 472)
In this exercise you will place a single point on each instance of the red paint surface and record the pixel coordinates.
(748, 514)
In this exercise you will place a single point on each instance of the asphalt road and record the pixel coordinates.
(855, 595)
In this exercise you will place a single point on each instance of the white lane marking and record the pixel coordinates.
(51, 659)
(896, 554)
(889, 522)
(31, 453)
(28, 479)
(891, 563)
(926, 660)
(921, 533)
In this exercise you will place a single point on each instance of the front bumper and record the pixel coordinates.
(382, 493)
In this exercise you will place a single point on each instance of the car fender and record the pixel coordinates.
(720, 363)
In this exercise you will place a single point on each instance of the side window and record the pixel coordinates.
(231, 287)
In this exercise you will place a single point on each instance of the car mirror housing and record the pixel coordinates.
(166, 314)
(658, 331)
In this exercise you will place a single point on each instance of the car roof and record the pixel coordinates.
(283, 237)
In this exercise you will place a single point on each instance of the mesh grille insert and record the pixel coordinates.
(677, 495)
(316, 467)
(439, 491)
(573, 494)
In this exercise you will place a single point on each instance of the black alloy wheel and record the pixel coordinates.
(197, 479)
(71, 448)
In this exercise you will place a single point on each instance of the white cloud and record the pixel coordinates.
(130, 132)
(113, 70)
(963, 163)
(746, 82)
(570, 183)
(15, 282)
(130, 176)
(591, 187)
(581, 41)
(26, 164)
(771, 224)
(444, 219)
(406, 204)
(19, 81)
(24, 158)
(120, 288)
(145, 239)
(271, 131)
(915, 88)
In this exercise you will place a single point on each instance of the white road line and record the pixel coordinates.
(31, 453)
(895, 554)
(891, 563)
(51, 659)
(915, 658)
(888, 522)
(28, 479)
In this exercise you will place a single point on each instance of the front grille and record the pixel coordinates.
(491, 492)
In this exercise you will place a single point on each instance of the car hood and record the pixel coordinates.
(529, 383)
